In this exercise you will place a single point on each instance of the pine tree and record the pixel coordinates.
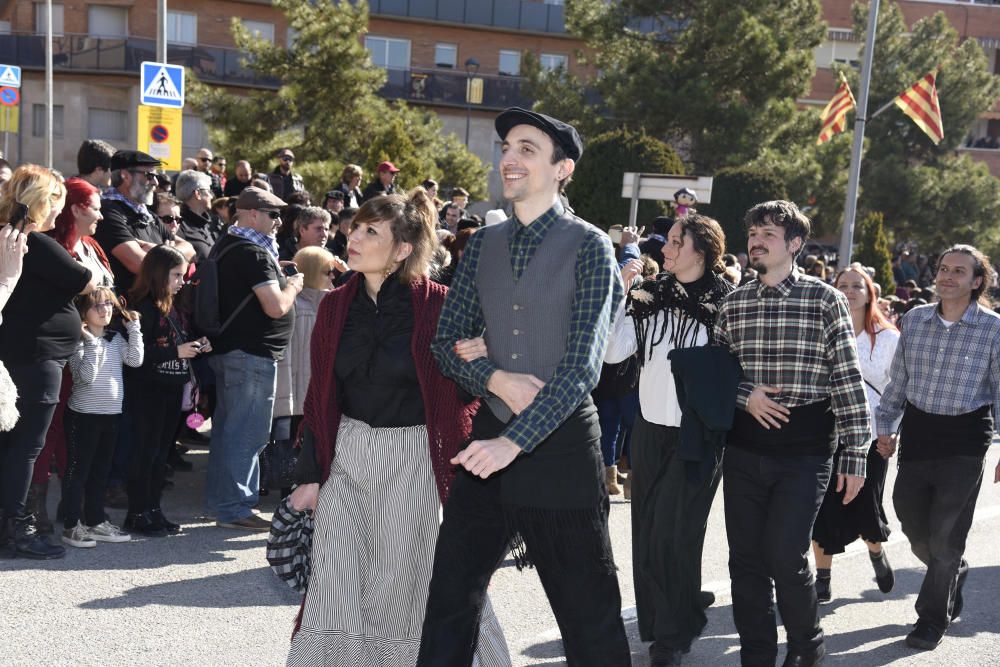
(872, 249)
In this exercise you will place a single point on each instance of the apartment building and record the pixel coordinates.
(430, 49)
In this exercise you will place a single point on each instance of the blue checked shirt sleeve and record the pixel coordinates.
(890, 407)
(599, 290)
(847, 388)
(462, 317)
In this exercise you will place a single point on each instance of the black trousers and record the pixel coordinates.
(90, 447)
(551, 508)
(38, 394)
(155, 410)
(935, 500)
(669, 519)
(771, 503)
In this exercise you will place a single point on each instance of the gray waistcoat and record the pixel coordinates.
(527, 322)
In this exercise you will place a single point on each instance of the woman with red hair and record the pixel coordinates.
(76, 225)
(837, 524)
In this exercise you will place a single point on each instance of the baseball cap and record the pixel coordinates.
(388, 166)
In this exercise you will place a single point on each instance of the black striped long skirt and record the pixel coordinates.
(377, 523)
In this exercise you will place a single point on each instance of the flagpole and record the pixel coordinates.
(854, 173)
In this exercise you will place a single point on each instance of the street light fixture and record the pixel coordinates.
(471, 69)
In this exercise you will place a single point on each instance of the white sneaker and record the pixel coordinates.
(108, 532)
(78, 536)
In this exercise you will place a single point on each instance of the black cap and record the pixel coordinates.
(561, 133)
(662, 225)
(125, 159)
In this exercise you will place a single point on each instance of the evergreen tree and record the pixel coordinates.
(328, 109)
(872, 249)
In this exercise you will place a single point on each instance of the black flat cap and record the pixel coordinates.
(563, 134)
(125, 159)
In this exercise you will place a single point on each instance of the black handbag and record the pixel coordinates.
(289, 545)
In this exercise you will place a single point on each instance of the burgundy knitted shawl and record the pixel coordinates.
(449, 421)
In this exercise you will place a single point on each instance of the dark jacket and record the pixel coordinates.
(278, 181)
(376, 189)
(707, 378)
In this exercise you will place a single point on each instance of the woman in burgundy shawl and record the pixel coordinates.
(381, 425)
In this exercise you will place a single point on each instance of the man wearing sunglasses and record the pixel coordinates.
(283, 180)
(129, 230)
(205, 160)
(257, 297)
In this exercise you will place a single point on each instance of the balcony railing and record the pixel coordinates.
(83, 53)
(512, 14)
(79, 53)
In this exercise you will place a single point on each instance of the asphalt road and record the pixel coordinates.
(206, 598)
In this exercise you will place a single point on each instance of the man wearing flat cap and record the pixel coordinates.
(129, 230)
(542, 285)
(257, 300)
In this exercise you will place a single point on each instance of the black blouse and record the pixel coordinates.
(376, 375)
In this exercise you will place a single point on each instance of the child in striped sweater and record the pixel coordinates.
(92, 415)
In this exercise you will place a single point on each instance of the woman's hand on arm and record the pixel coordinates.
(471, 348)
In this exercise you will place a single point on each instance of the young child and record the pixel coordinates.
(154, 391)
(92, 415)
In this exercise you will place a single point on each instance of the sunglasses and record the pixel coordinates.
(169, 219)
(150, 175)
(287, 158)
(274, 215)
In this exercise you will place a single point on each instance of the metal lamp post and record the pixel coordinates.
(471, 69)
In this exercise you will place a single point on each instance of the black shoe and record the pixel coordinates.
(188, 434)
(924, 637)
(805, 659)
(706, 599)
(823, 592)
(169, 526)
(884, 576)
(956, 607)
(25, 542)
(143, 524)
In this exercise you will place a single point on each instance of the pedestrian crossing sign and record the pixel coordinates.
(10, 76)
(162, 85)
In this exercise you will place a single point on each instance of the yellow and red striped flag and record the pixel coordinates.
(834, 116)
(920, 103)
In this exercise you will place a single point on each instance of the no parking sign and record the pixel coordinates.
(159, 130)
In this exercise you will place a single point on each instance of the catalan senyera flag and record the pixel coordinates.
(834, 116)
(920, 103)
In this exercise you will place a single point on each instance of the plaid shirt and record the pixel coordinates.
(266, 242)
(943, 370)
(598, 292)
(798, 336)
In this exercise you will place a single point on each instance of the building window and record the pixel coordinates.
(552, 61)
(182, 28)
(389, 52)
(57, 18)
(445, 56)
(260, 29)
(105, 21)
(510, 63)
(553, 2)
(108, 124)
(38, 120)
(193, 133)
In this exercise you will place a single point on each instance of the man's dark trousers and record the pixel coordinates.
(474, 541)
(771, 504)
(935, 500)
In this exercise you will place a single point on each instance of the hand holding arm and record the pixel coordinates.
(517, 390)
(471, 349)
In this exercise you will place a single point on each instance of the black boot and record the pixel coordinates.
(823, 592)
(164, 523)
(884, 576)
(36, 504)
(143, 524)
(25, 542)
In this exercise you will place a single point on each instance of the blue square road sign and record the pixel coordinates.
(162, 85)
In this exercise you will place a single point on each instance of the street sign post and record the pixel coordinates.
(10, 99)
(661, 187)
(159, 134)
(162, 85)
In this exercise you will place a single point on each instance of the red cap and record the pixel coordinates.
(388, 166)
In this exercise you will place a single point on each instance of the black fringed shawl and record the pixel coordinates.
(690, 304)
